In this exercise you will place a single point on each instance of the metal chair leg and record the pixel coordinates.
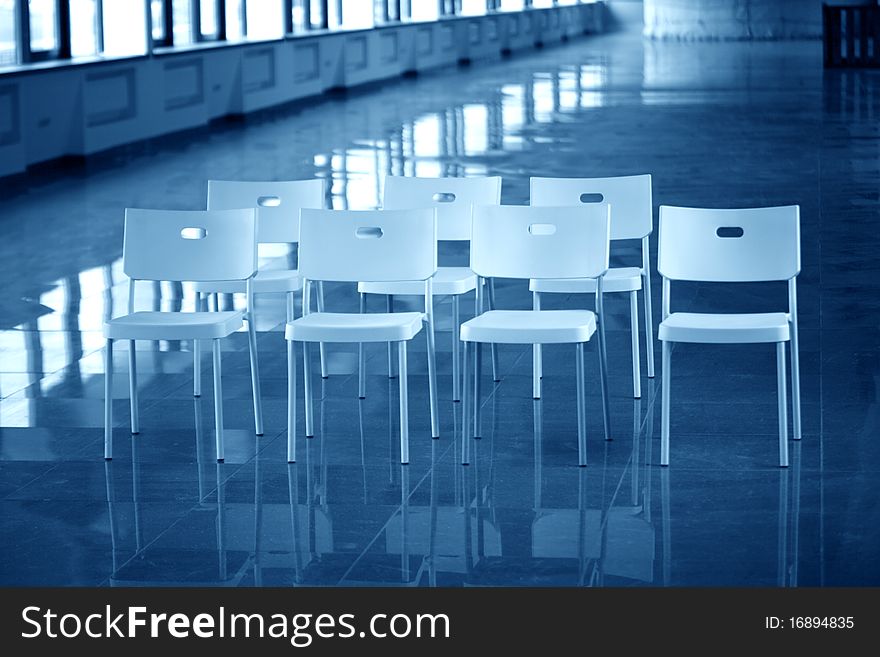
(324, 372)
(581, 406)
(218, 403)
(603, 375)
(465, 406)
(666, 379)
(634, 333)
(432, 378)
(255, 374)
(404, 403)
(456, 349)
(362, 362)
(795, 385)
(478, 369)
(291, 401)
(649, 323)
(108, 400)
(496, 376)
(781, 383)
(307, 391)
(133, 386)
(537, 363)
(389, 308)
(197, 354)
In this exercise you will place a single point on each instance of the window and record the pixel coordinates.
(234, 19)
(264, 19)
(181, 18)
(84, 28)
(8, 41)
(472, 8)
(209, 19)
(420, 10)
(157, 17)
(350, 14)
(512, 5)
(43, 25)
(124, 27)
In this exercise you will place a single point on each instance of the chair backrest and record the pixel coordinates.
(630, 196)
(452, 197)
(185, 245)
(368, 245)
(729, 246)
(277, 202)
(521, 241)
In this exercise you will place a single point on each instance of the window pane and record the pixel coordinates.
(265, 19)
(83, 28)
(8, 54)
(424, 10)
(208, 18)
(473, 7)
(181, 13)
(512, 5)
(298, 17)
(317, 14)
(540, 4)
(356, 14)
(157, 15)
(233, 19)
(125, 28)
(43, 17)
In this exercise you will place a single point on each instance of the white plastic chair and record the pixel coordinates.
(168, 245)
(369, 246)
(453, 198)
(533, 243)
(277, 205)
(732, 246)
(631, 219)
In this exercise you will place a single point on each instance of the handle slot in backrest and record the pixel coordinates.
(443, 197)
(542, 229)
(193, 233)
(586, 197)
(369, 232)
(729, 231)
(269, 201)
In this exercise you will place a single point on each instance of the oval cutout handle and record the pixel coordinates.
(193, 233)
(592, 198)
(369, 233)
(269, 201)
(729, 231)
(443, 197)
(542, 229)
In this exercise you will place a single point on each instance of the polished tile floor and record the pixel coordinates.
(717, 124)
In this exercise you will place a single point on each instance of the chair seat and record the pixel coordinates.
(173, 325)
(530, 326)
(447, 281)
(725, 328)
(619, 279)
(354, 327)
(266, 281)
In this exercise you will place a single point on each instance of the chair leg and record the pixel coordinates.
(581, 406)
(634, 332)
(218, 403)
(362, 361)
(666, 376)
(389, 308)
(133, 386)
(478, 369)
(537, 364)
(324, 372)
(649, 323)
(781, 383)
(404, 403)
(456, 349)
(603, 376)
(108, 400)
(496, 376)
(255, 374)
(307, 391)
(465, 406)
(291, 401)
(432, 379)
(197, 356)
(795, 385)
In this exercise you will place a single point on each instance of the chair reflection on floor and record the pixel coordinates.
(153, 565)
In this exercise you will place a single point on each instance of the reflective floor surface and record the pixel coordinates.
(717, 124)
